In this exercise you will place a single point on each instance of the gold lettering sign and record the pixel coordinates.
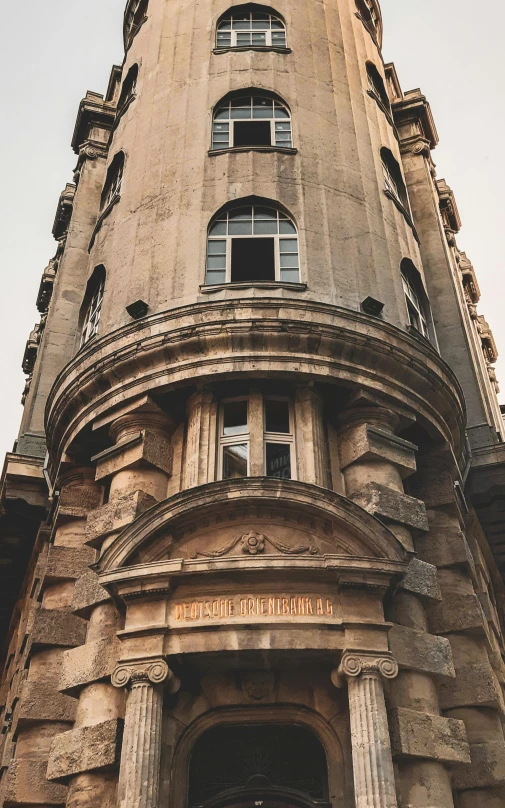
(264, 606)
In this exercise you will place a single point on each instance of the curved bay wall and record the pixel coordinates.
(352, 237)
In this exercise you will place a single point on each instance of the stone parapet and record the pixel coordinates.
(85, 749)
(421, 735)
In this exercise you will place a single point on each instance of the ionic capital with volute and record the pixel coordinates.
(154, 671)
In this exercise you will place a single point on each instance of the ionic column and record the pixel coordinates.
(141, 752)
(374, 780)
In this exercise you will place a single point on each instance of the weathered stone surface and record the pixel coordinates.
(116, 514)
(42, 702)
(475, 685)
(147, 448)
(369, 442)
(87, 594)
(445, 548)
(27, 784)
(457, 612)
(88, 663)
(390, 505)
(85, 749)
(487, 767)
(421, 578)
(68, 563)
(86, 497)
(58, 627)
(432, 737)
(416, 650)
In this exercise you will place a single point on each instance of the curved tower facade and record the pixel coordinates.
(252, 523)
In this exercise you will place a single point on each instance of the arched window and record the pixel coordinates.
(376, 87)
(253, 242)
(136, 16)
(128, 89)
(245, 765)
(416, 299)
(92, 305)
(393, 178)
(250, 121)
(113, 181)
(250, 27)
(368, 13)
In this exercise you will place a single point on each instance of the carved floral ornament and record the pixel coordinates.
(363, 663)
(253, 543)
(150, 671)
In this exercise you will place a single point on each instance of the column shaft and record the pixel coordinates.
(141, 752)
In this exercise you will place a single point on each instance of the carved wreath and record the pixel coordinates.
(253, 543)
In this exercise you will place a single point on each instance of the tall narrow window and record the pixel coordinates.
(250, 27)
(250, 121)
(128, 89)
(234, 459)
(376, 87)
(418, 308)
(136, 16)
(393, 178)
(114, 180)
(367, 10)
(252, 243)
(278, 438)
(93, 305)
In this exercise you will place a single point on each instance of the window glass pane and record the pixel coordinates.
(289, 260)
(240, 228)
(279, 38)
(283, 126)
(223, 113)
(290, 275)
(288, 245)
(241, 108)
(263, 18)
(259, 39)
(262, 108)
(277, 416)
(218, 229)
(214, 277)
(216, 247)
(235, 461)
(278, 460)
(265, 213)
(240, 213)
(243, 39)
(281, 112)
(216, 262)
(223, 40)
(277, 24)
(285, 226)
(225, 25)
(264, 227)
(235, 418)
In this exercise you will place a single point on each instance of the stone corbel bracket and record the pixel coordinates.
(154, 671)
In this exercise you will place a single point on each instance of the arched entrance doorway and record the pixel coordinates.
(258, 766)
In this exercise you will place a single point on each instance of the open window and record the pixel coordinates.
(92, 305)
(113, 181)
(135, 18)
(252, 243)
(128, 88)
(250, 121)
(416, 299)
(250, 26)
(377, 88)
(369, 15)
(393, 178)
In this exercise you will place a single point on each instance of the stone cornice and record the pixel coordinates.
(219, 338)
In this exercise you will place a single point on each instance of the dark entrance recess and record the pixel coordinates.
(252, 259)
(267, 766)
(252, 133)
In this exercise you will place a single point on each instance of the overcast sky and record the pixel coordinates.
(53, 51)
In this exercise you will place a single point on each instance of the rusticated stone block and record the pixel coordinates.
(420, 735)
(392, 506)
(435, 486)
(487, 767)
(85, 749)
(27, 784)
(87, 594)
(422, 579)
(456, 612)
(42, 702)
(146, 448)
(416, 650)
(117, 514)
(475, 685)
(88, 663)
(445, 548)
(68, 563)
(58, 627)
(368, 442)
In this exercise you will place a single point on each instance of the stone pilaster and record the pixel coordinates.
(374, 782)
(200, 439)
(141, 752)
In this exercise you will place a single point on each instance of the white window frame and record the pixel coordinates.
(93, 313)
(284, 438)
(267, 31)
(412, 298)
(390, 183)
(276, 237)
(233, 440)
(275, 141)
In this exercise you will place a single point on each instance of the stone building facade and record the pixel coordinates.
(253, 526)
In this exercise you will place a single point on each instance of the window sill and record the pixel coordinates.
(403, 211)
(218, 287)
(122, 111)
(239, 149)
(259, 48)
(101, 219)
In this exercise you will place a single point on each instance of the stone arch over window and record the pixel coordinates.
(91, 308)
(251, 26)
(231, 764)
(135, 17)
(249, 119)
(394, 183)
(253, 240)
(113, 181)
(416, 299)
(377, 88)
(128, 88)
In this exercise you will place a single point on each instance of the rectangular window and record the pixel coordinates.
(235, 461)
(278, 439)
(252, 133)
(252, 259)
(234, 431)
(278, 460)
